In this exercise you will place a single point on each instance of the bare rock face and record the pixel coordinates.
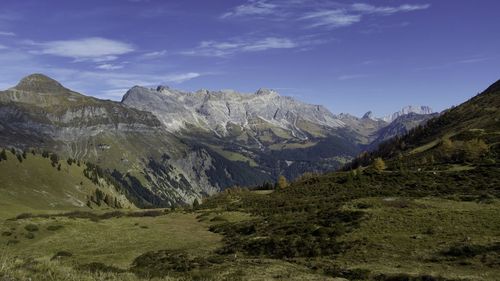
(421, 110)
(215, 110)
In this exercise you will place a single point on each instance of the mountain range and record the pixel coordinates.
(168, 147)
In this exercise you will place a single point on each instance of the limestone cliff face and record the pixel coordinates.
(216, 110)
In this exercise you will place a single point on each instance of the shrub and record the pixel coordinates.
(29, 235)
(24, 216)
(12, 242)
(31, 227)
(218, 218)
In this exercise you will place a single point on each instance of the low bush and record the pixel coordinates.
(31, 227)
(470, 250)
(12, 242)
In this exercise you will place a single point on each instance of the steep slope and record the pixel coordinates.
(31, 182)
(157, 167)
(466, 134)
(400, 126)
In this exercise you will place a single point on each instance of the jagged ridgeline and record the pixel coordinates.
(462, 137)
(166, 147)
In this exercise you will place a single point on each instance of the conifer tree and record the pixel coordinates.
(196, 204)
(379, 165)
(282, 182)
(3, 155)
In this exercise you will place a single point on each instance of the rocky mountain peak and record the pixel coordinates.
(162, 88)
(368, 115)
(422, 110)
(265, 92)
(40, 83)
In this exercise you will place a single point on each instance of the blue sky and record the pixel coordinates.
(351, 56)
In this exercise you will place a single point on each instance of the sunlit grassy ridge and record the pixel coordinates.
(34, 184)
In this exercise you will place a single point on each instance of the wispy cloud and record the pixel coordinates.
(473, 60)
(181, 77)
(7, 33)
(2, 47)
(155, 54)
(468, 60)
(109, 66)
(352, 76)
(331, 18)
(94, 49)
(370, 9)
(251, 8)
(349, 15)
(226, 48)
(126, 80)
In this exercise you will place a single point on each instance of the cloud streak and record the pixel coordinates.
(94, 49)
(251, 8)
(346, 16)
(352, 76)
(231, 47)
(108, 66)
(7, 33)
(317, 14)
(331, 18)
(370, 9)
(155, 54)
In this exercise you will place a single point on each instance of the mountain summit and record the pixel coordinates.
(40, 83)
(422, 110)
(218, 110)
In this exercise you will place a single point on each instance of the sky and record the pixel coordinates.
(350, 56)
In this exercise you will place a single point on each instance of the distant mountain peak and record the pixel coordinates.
(421, 109)
(368, 115)
(162, 88)
(265, 91)
(39, 83)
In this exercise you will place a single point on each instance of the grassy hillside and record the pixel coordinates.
(466, 134)
(390, 225)
(30, 182)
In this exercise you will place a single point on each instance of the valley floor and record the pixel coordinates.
(395, 236)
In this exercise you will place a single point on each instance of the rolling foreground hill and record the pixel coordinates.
(424, 206)
(165, 147)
